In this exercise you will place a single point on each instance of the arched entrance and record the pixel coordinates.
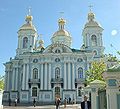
(57, 92)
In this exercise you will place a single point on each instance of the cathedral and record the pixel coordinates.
(57, 70)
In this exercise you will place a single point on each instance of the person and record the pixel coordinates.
(85, 104)
(65, 102)
(73, 101)
(69, 100)
(34, 102)
(57, 103)
(15, 101)
(9, 102)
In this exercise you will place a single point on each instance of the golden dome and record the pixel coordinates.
(61, 33)
(28, 25)
(29, 18)
(61, 21)
(41, 41)
(91, 22)
(91, 16)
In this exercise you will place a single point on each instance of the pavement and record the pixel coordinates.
(75, 106)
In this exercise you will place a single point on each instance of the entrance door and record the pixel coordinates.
(57, 92)
(34, 93)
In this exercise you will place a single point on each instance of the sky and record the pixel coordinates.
(45, 16)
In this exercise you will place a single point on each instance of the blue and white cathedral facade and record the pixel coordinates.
(57, 70)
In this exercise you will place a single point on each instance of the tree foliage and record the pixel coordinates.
(2, 82)
(111, 58)
(95, 72)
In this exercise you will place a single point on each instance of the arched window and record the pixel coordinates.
(57, 73)
(25, 42)
(79, 91)
(79, 60)
(35, 73)
(80, 72)
(57, 51)
(94, 40)
(94, 53)
(57, 60)
(34, 92)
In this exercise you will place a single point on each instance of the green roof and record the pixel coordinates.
(115, 68)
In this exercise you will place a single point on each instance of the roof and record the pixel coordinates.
(61, 33)
(115, 68)
(27, 26)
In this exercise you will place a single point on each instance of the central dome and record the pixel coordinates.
(61, 36)
(61, 33)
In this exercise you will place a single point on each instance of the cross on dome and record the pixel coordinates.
(91, 15)
(90, 7)
(61, 22)
(29, 11)
(29, 17)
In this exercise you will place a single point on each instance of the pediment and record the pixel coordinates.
(57, 48)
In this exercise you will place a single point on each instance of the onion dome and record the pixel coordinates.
(62, 35)
(61, 31)
(41, 45)
(41, 42)
(91, 21)
(28, 25)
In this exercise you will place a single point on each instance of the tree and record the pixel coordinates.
(2, 82)
(95, 72)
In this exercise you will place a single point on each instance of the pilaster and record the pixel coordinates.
(49, 81)
(65, 85)
(41, 77)
(73, 76)
(69, 75)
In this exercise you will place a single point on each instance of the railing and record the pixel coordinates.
(34, 81)
(57, 80)
(79, 80)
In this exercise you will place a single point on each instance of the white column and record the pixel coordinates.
(73, 76)
(23, 82)
(7, 81)
(13, 79)
(16, 82)
(49, 82)
(65, 76)
(18, 42)
(69, 75)
(21, 43)
(27, 72)
(101, 42)
(41, 87)
(45, 78)
(88, 40)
